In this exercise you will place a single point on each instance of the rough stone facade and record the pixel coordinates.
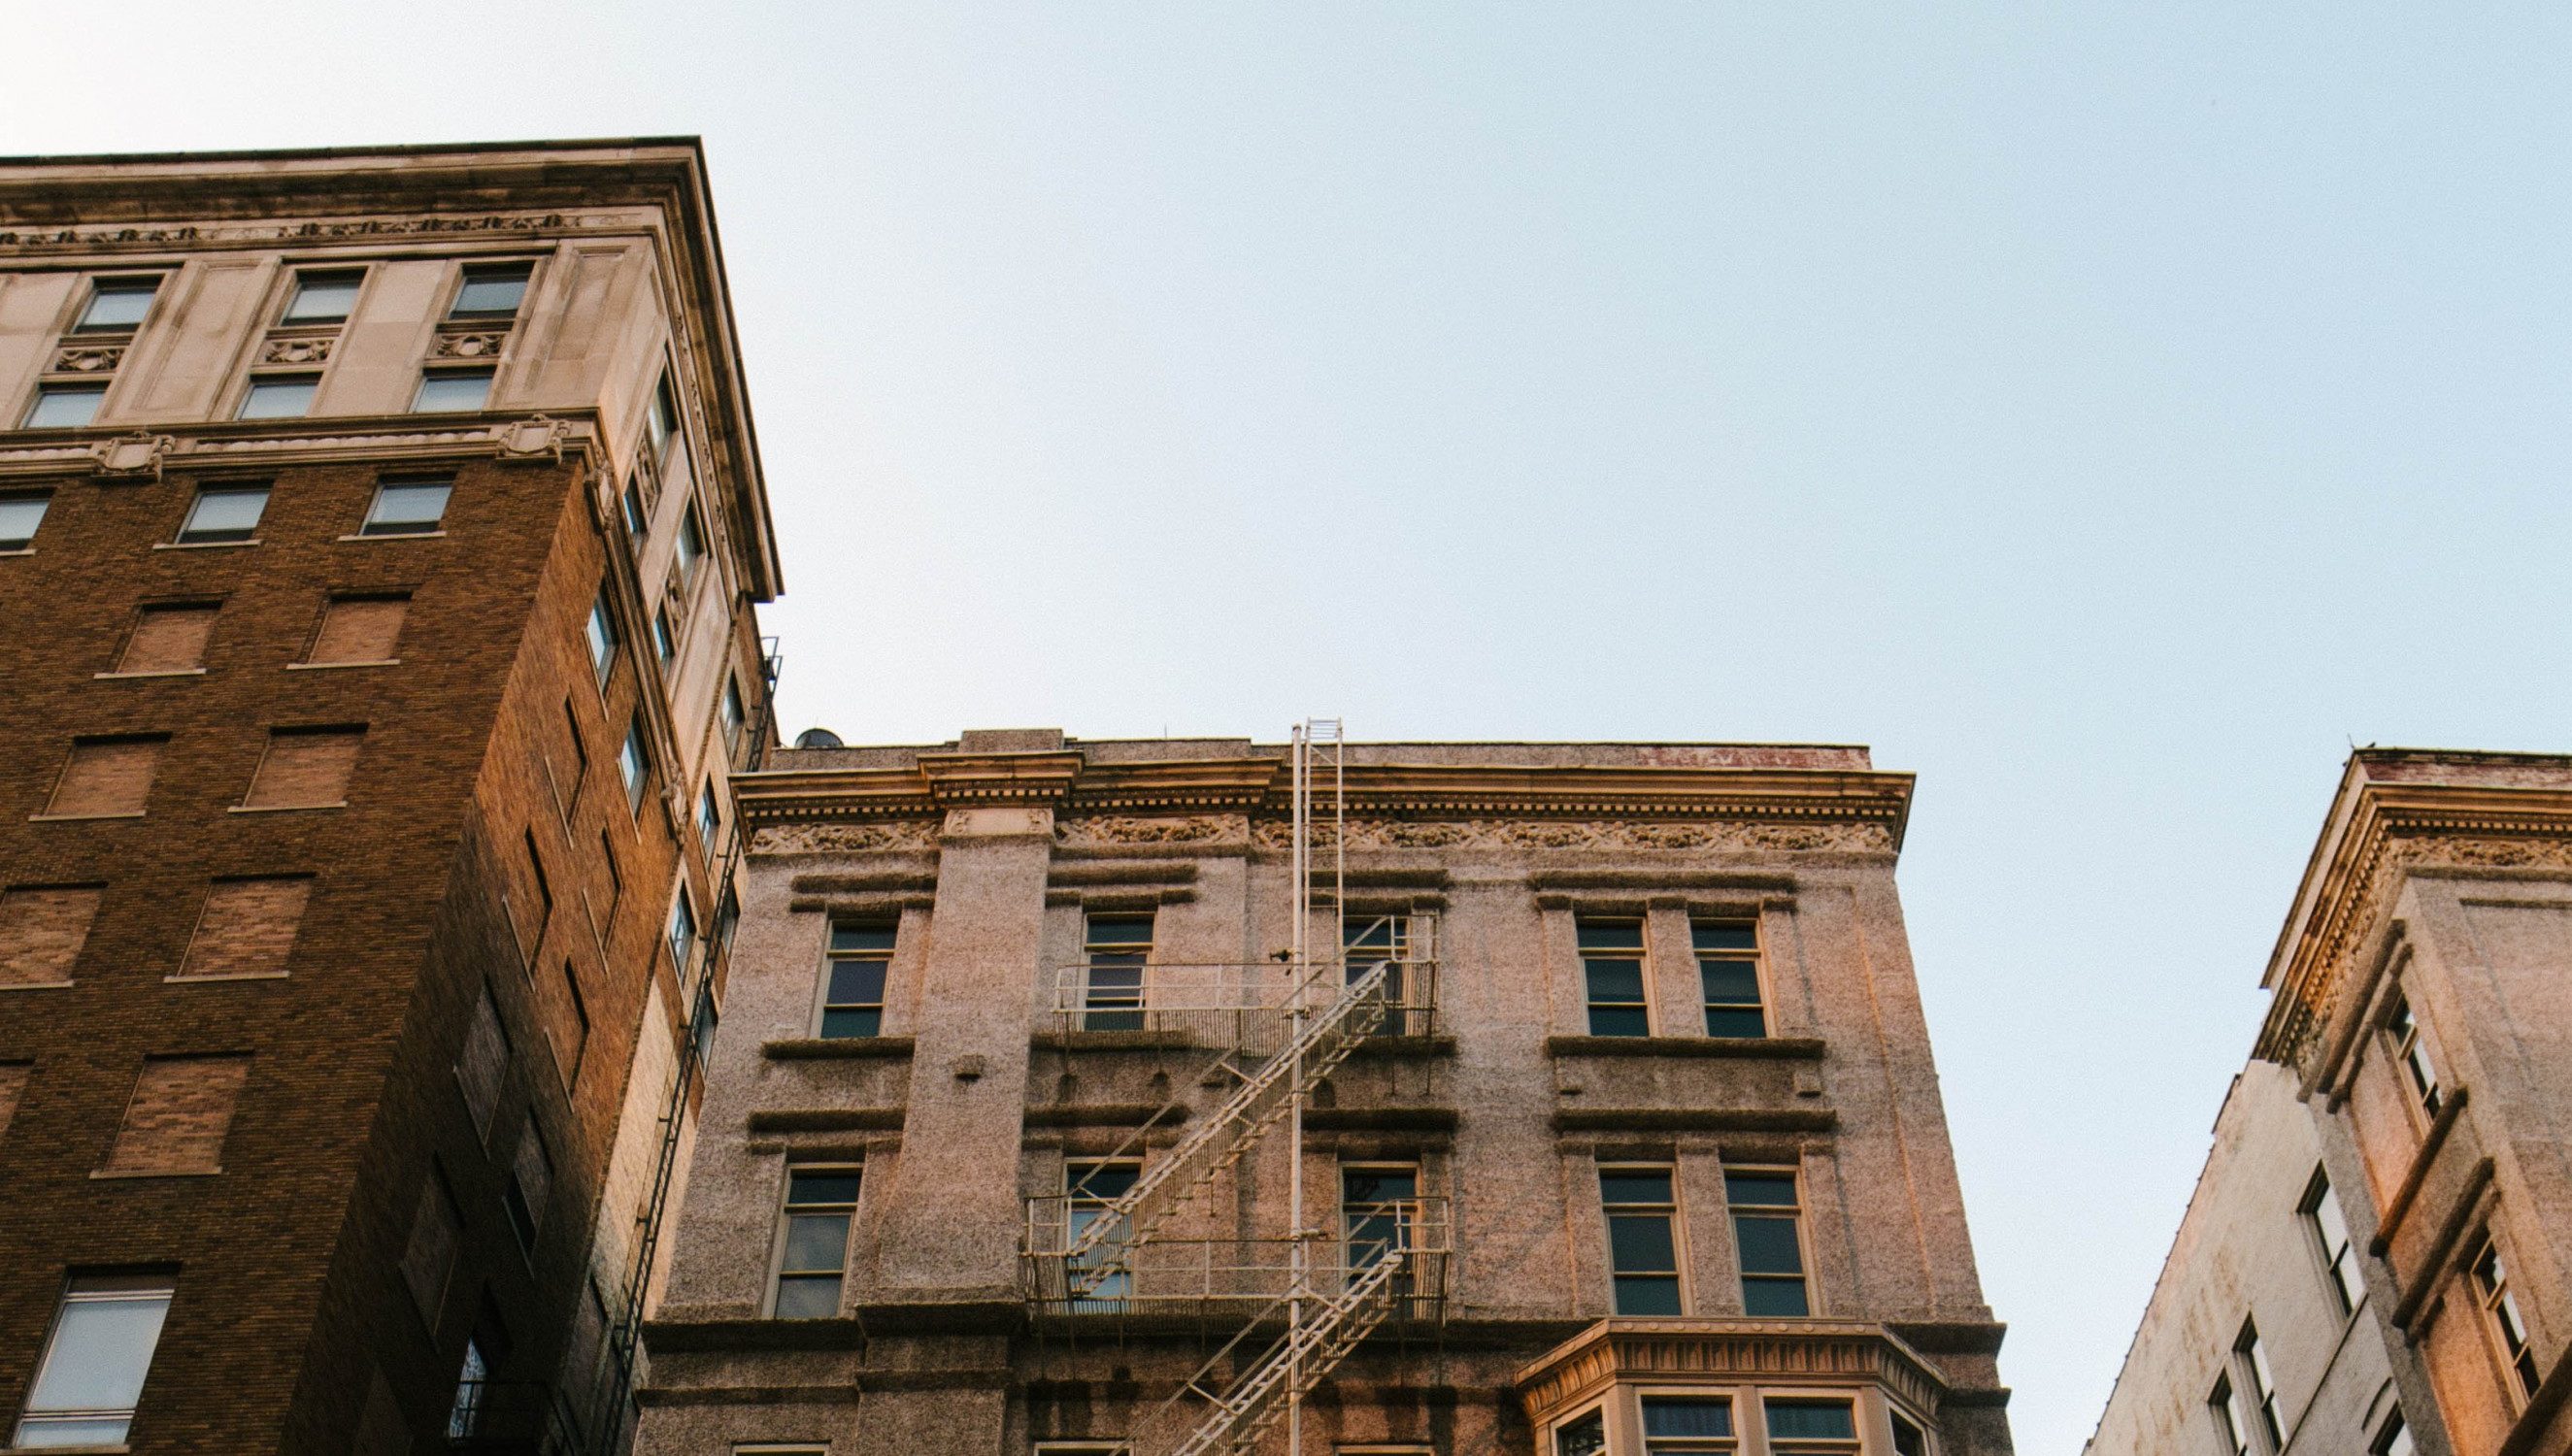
(393, 1180)
(958, 1114)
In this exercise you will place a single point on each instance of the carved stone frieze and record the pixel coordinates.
(843, 838)
(304, 232)
(308, 349)
(479, 346)
(1719, 834)
(537, 437)
(137, 456)
(89, 358)
(1125, 830)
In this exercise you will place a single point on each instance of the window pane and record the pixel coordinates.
(64, 406)
(1587, 1436)
(282, 397)
(490, 291)
(322, 298)
(1812, 1420)
(858, 983)
(452, 390)
(1774, 1298)
(1618, 1021)
(845, 1022)
(1379, 1184)
(1615, 980)
(1120, 930)
(1634, 1188)
(1648, 1295)
(1612, 934)
(40, 1431)
(1676, 1416)
(1767, 1189)
(816, 1241)
(1103, 1183)
(101, 1350)
(1641, 1243)
(410, 506)
(862, 937)
(19, 518)
(1768, 1245)
(808, 1298)
(225, 515)
(821, 1188)
(1731, 983)
(1740, 935)
(1744, 1021)
(119, 303)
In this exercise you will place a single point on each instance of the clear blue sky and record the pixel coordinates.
(2107, 412)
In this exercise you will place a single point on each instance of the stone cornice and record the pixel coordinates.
(2399, 813)
(143, 454)
(1771, 1352)
(1875, 805)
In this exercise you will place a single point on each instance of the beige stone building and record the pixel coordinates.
(1568, 1099)
(2422, 1016)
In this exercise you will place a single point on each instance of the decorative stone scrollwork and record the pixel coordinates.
(468, 345)
(1841, 836)
(306, 351)
(137, 456)
(537, 437)
(1123, 829)
(89, 358)
(842, 838)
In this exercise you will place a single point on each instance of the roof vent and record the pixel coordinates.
(818, 738)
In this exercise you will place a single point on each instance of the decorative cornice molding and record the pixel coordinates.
(215, 234)
(267, 443)
(1678, 1351)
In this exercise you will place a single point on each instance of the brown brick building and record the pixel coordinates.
(379, 536)
(1587, 1084)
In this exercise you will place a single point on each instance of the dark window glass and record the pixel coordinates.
(20, 514)
(602, 638)
(406, 508)
(1686, 1416)
(1812, 1420)
(323, 296)
(1585, 1435)
(814, 1257)
(1642, 1242)
(65, 406)
(1611, 968)
(1116, 948)
(452, 391)
(117, 304)
(280, 396)
(491, 290)
(1769, 1244)
(853, 990)
(225, 513)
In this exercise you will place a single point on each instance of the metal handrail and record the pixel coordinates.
(1172, 1272)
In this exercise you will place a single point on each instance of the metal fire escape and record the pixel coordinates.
(1282, 1027)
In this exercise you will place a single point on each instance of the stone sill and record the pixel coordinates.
(830, 1049)
(77, 818)
(231, 976)
(281, 808)
(204, 544)
(1695, 1120)
(326, 667)
(156, 673)
(32, 986)
(1380, 1119)
(392, 536)
(123, 1174)
(827, 1120)
(1804, 1049)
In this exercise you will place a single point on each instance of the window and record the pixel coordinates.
(1909, 1437)
(1811, 1427)
(683, 934)
(691, 545)
(813, 1257)
(852, 980)
(168, 638)
(1643, 1238)
(2330, 1236)
(615, 877)
(484, 1063)
(2263, 1385)
(731, 714)
(280, 396)
(323, 296)
(662, 419)
(2500, 1314)
(223, 513)
(1728, 963)
(635, 765)
(357, 629)
(245, 928)
(665, 644)
(2229, 1419)
(1612, 962)
(306, 768)
(531, 1177)
(2413, 1050)
(1091, 1192)
(1378, 1208)
(465, 1415)
(408, 508)
(1673, 1423)
(452, 391)
(709, 818)
(64, 406)
(1767, 1240)
(1382, 940)
(42, 930)
(1582, 1435)
(95, 1357)
(543, 900)
(638, 523)
(2394, 1439)
(579, 751)
(579, 1026)
(176, 1119)
(602, 638)
(117, 305)
(429, 1259)
(20, 514)
(1115, 948)
(491, 290)
(106, 776)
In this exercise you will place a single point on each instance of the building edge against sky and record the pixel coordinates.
(380, 533)
(2378, 1254)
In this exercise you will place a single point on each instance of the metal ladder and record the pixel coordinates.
(1243, 1409)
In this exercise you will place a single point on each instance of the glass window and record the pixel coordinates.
(64, 406)
(2229, 1419)
(2413, 1050)
(225, 513)
(452, 391)
(1768, 1242)
(1643, 1238)
(2500, 1312)
(1379, 1212)
(1386, 942)
(662, 421)
(635, 765)
(732, 715)
(2394, 1439)
(2263, 1385)
(638, 521)
(683, 935)
(1687, 1424)
(852, 980)
(1728, 963)
(1612, 963)
(1582, 1435)
(602, 638)
(491, 290)
(323, 296)
(1909, 1438)
(91, 1375)
(471, 1379)
(2330, 1235)
(117, 305)
(280, 396)
(1811, 1427)
(20, 514)
(665, 644)
(709, 816)
(1115, 948)
(406, 508)
(1091, 1190)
